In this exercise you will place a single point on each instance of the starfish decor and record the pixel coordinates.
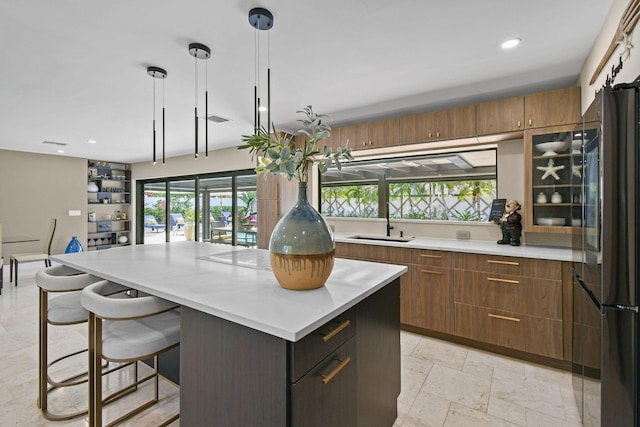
(550, 170)
(576, 170)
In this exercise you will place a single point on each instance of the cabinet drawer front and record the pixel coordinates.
(432, 299)
(497, 327)
(512, 330)
(527, 267)
(358, 251)
(311, 349)
(327, 395)
(434, 258)
(525, 295)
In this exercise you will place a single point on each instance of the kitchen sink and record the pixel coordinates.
(382, 238)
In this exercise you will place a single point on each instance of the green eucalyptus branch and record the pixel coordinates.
(277, 154)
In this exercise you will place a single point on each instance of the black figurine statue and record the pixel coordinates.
(510, 224)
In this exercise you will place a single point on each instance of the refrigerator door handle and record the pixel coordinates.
(588, 291)
(633, 308)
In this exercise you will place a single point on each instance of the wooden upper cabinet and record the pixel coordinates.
(384, 133)
(416, 128)
(356, 135)
(503, 115)
(461, 122)
(552, 108)
(438, 125)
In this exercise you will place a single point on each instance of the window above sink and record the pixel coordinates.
(451, 186)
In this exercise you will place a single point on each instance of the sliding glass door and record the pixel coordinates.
(216, 208)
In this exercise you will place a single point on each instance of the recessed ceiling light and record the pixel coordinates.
(510, 44)
(91, 141)
(262, 109)
(61, 151)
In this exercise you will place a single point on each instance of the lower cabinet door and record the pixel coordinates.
(326, 395)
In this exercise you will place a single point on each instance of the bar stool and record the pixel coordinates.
(126, 330)
(62, 310)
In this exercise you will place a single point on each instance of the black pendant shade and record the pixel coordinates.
(200, 51)
(261, 19)
(157, 73)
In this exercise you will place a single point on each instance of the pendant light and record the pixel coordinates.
(261, 19)
(157, 73)
(200, 51)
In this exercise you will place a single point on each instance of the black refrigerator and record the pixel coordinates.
(606, 343)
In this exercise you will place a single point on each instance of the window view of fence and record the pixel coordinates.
(451, 187)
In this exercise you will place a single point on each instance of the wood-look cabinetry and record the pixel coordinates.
(430, 293)
(381, 133)
(510, 302)
(385, 254)
(553, 179)
(503, 115)
(345, 373)
(438, 125)
(552, 108)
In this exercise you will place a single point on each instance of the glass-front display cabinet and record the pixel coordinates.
(553, 181)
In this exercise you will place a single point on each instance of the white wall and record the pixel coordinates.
(631, 66)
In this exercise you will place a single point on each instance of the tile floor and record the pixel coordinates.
(443, 384)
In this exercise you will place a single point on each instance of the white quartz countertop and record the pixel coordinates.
(184, 272)
(469, 246)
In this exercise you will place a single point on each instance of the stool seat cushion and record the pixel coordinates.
(124, 340)
(66, 309)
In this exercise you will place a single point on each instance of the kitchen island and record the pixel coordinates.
(254, 354)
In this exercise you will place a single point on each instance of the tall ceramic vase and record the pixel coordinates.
(302, 249)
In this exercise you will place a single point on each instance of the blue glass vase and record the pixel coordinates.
(302, 249)
(74, 246)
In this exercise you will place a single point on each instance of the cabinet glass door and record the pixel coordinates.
(554, 190)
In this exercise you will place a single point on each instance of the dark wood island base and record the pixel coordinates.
(345, 373)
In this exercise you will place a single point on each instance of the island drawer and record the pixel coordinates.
(310, 350)
(526, 295)
(432, 258)
(527, 267)
(327, 395)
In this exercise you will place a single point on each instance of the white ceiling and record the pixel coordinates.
(74, 70)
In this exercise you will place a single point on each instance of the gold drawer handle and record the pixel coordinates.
(335, 332)
(330, 375)
(430, 272)
(513, 319)
(495, 279)
(430, 256)
(490, 261)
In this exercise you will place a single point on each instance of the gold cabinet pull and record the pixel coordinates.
(430, 256)
(429, 134)
(430, 272)
(530, 122)
(518, 123)
(495, 279)
(335, 371)
(496, 316)
(491, 261)
(335, 332)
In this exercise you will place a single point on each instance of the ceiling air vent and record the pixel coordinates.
(60, 144)
(216, 119)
